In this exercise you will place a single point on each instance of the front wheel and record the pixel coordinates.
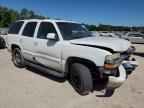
(17, 58)
(81, 79)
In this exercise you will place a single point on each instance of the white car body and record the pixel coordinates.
(54, 54)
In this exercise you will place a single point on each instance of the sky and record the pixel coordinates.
(113, 12)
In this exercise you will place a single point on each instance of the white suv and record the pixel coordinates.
(65, 48)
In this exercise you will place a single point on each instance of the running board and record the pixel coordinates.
(46, 70)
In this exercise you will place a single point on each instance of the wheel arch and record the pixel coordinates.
(13, 46)
(70, 60)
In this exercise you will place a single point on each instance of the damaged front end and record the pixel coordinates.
(117, 67)
(128, 63)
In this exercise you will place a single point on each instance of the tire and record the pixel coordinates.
(17, 58)
(81, 79)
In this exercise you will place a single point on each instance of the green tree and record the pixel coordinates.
(24, 14)
(14, 15)
(31, 14)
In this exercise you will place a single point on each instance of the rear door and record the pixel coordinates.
(13, 36)
(27, 40)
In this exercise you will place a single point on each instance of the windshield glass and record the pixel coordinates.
(71, 31)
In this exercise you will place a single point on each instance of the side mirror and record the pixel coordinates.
(51, 36)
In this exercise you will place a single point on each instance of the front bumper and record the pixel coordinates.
(117, 81)
(130, 66)
(123, 70)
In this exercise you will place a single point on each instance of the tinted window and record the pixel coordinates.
(45, 28)
(15, 27)
(29, 29)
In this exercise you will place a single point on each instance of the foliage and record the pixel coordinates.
(7, 16)
(102, 27)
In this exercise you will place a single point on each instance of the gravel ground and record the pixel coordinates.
(29, 88)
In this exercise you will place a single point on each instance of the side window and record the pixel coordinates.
(15, 27)
(44, 29)
(29, 29)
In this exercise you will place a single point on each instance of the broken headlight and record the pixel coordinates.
(112, 61)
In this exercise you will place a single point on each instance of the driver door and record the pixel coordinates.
(48, 51)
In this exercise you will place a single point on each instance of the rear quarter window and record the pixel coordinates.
(15, 27)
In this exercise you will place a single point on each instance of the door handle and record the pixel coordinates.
(35, 43)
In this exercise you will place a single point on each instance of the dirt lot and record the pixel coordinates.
(28, 88)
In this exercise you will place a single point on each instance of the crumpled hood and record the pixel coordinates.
(116, 44)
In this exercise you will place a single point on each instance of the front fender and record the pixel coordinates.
(95, 55)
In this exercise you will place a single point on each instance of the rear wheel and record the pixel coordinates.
(81, 79)
(17, 58)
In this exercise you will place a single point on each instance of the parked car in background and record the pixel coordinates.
(3, 34)
(142, 33)
(2, 42)
(3, 31)
(134, 37)
(107, 34)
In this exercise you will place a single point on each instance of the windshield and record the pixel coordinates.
(71, 31)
